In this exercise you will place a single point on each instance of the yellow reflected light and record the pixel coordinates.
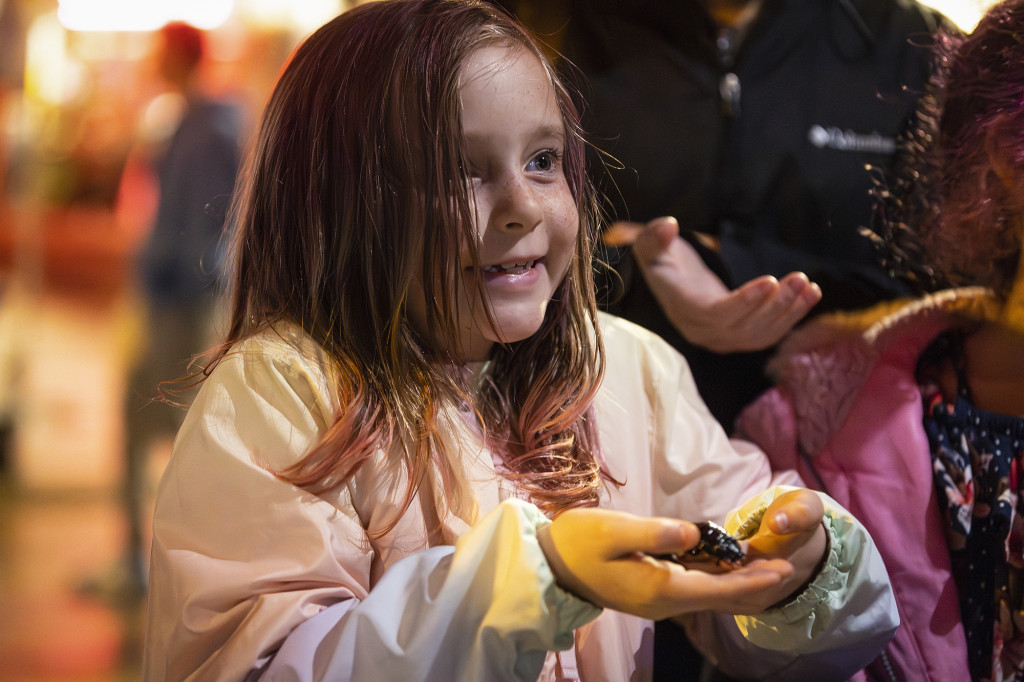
(140, 15)
(964, 13)
(302, 17)
(49, 77)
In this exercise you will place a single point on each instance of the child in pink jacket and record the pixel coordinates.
(912, 415)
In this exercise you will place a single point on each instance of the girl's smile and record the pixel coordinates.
(522, 272)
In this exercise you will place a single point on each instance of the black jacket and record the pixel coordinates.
(770, 159)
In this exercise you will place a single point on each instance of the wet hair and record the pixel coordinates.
(951, 213)
(354, 188)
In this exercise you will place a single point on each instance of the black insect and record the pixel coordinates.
(716, 543)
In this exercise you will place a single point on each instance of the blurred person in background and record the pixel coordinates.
(195, 164)
(752, 123)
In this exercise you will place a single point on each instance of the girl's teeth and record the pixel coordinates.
(511, 268)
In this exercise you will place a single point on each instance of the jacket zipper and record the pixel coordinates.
(729, 90)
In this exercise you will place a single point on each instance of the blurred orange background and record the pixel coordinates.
(79, 91)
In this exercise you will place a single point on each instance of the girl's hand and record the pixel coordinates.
(608, 558)
(792, 530)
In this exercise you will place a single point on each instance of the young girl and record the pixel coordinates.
(413, 387)
(913, 417)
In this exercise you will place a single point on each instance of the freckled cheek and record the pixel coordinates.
(564, 221)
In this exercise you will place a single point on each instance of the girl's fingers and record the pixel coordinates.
(616, 534)
(611, 559)
(746, 590)
(797, 511)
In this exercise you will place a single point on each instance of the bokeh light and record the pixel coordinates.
(964, 13)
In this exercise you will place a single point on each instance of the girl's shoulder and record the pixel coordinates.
(263, 406)
(279, 343)
(279, 363)
(639, 362)
(625, 342)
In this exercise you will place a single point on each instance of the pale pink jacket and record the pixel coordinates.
(847, 414)
(250, 572)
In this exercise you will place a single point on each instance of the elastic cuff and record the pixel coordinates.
(573, 611)
(828, 579)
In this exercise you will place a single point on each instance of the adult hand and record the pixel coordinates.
(752, 317)
(608, 558)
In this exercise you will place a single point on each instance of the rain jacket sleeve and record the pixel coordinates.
(487, 609)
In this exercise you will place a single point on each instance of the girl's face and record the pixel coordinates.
(526, 217)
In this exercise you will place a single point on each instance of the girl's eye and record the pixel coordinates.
(545, 162)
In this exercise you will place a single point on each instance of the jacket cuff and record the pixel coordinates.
(571, 611)
(828, 579)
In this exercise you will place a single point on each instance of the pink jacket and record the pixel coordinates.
(847, 414)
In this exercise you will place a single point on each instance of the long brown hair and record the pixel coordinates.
(354, 187)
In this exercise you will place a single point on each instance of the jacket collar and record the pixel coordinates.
(823, 365)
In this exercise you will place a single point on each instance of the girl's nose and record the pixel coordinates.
(518, 207)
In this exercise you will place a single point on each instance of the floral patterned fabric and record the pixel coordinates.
(977, 458)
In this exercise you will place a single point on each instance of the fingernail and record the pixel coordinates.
(782, 523)
(797, 284)
(762, 290)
